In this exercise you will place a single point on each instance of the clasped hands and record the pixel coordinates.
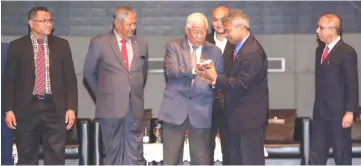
(206, 72)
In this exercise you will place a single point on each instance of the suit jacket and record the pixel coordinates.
(227, 54)
(246, 88)
(110, 80)
(336, 82)
(181, 98)
(19, 76)
(4, 50)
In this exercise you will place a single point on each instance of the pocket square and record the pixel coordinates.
(331, 62)
(142, 57)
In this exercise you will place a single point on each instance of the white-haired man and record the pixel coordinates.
(187, 101)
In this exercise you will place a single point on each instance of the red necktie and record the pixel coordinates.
(234, 54)
(325, 54)
(124, 52)
(40, 71)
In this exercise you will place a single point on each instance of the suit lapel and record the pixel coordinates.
(29, 54)
(333, 50)
(115, 47)
(186, 52)
(240, 51)
(51, 52)
(330, 53)
(204, 52)
(135, 54)
(227, 57)
(211, 38)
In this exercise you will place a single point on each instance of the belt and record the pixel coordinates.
(42, 97)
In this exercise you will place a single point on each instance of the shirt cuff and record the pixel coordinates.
(214, 82)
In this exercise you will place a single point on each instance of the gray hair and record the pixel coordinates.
(196, 18)
(122, 12)
(238, 18)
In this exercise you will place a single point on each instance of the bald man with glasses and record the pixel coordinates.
(336, 99)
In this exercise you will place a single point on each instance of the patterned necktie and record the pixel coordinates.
(194, 56)
(234, 54)
(125, 53)
(40, 71)
(325, 54)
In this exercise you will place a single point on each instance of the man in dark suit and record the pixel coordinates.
(6, 133)
(246, 92)
(336, 100)
(40, 89)
(116, 69)
(219, 122)
(187, 101)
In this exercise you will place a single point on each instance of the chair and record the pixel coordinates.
(297, 148)
(77, 145)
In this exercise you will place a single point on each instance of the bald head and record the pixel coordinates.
(329, 27)
(332, 20)
(218, 13)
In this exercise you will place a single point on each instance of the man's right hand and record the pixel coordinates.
(10, 120)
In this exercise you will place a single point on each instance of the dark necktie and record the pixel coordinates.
(194, 56)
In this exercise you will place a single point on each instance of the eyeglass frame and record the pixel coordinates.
(44, 21)
(198, 33)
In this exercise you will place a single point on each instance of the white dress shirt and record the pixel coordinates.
(128, 46)
(198, 54)
(220, 44)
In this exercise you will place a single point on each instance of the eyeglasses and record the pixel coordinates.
(45, 21)
(322, 27)
(195, 33)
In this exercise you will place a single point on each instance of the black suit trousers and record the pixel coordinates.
(219, 124)
(326, 134)
(44, 127)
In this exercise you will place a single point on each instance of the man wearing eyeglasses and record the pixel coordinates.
(40, 91)
(336, 99)
(187, 101)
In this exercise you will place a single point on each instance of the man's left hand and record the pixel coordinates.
(208, 74)
(347, 120)
(70, 119)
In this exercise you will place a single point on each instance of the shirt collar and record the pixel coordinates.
(239, 45)
(190, 46)
(34, 39)
(332, 44)
(119, 39)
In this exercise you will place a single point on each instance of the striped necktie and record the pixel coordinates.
(40, 70)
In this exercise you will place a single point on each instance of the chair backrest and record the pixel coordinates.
(356, 131)
(72, 135)
(281, 125)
